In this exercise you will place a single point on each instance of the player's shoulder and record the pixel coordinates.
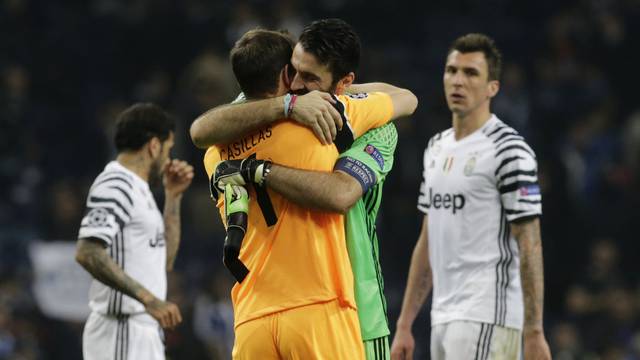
(506, 140)
(438, 138)
(347, 100)
(386, 135)
(114, 185)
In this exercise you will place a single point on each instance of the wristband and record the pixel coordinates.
(289, 101)
(292, 103)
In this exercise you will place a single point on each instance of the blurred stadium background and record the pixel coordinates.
(569, 85)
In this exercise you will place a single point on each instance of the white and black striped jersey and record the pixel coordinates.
(472, 189)
(122, 212)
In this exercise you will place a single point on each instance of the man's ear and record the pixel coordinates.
(344, 83)
(287, 76)
(494, 87)
(154, 147)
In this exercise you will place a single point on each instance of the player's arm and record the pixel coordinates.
(226, 123)
(92, 255)
(177, 178)
(517, 180)
(404, 101)
(419, 285)
(330, 191)
(527, 233)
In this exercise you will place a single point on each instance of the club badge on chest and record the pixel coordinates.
(469, 166)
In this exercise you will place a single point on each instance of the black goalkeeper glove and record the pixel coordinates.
(240, 172)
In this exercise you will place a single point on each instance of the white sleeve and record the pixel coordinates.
(517, 180)
(108, 209)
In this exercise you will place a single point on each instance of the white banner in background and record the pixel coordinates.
(60, 285)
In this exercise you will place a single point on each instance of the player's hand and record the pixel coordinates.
(403, 345)
(167, 313)
(177, 177)
(315, 110)
(239, 172)
(535, 346)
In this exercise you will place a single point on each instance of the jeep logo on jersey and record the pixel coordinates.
(454, 202)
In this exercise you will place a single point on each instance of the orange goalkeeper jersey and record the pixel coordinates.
(302, 259)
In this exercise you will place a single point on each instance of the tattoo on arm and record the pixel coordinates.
(527, 233)
(172, 228)
(92, 255)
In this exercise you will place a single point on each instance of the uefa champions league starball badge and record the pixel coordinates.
(436, 149)
(469, 166)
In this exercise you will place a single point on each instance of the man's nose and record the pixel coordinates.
(458, 78)
(297, 83)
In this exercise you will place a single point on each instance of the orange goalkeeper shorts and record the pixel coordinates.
(317, 331)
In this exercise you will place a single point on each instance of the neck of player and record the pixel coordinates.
(465, 124)
(136, 162)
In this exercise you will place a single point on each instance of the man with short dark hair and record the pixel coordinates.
(479, 247)
(258, 78)
(125, 243)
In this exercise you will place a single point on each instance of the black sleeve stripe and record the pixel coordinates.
(525, 217)
(437, 137)
(515, 146)
(123, 193)
(116, 172)
(506, 161)
(515, 186)
(503, 135)
(100, 200)
(107, 225)
(113, 179)
(101, 237)
(344, 138)
(518, 173)
(515, 212)
(498, 128)
(527, 201)
(508, 138)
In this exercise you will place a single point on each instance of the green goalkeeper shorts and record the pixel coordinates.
(377, 349)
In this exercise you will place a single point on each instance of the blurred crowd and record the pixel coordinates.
(67, 68)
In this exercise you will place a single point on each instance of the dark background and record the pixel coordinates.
(569, 86)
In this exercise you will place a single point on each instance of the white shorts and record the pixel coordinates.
(136, 337)
(474, 340)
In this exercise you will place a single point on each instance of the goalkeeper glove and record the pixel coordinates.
(236, 207)
(241, 172)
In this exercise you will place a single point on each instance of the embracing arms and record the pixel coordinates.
(230, 122)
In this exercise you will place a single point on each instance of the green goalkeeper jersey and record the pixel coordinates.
(374, 150)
